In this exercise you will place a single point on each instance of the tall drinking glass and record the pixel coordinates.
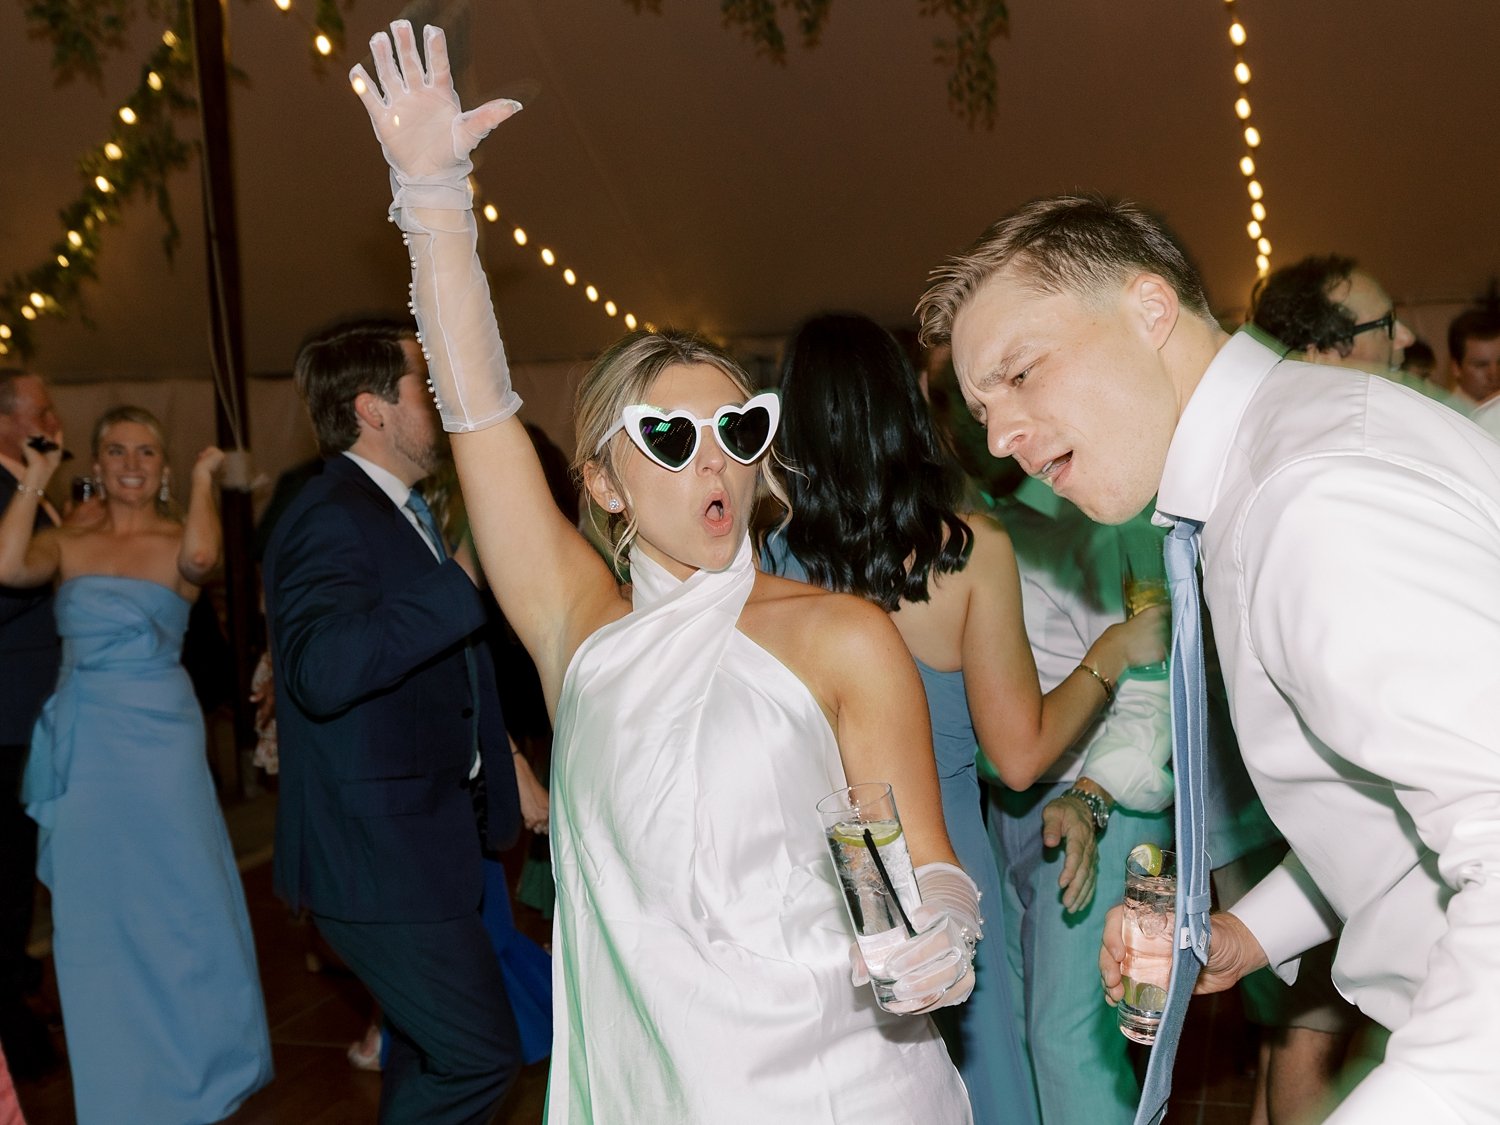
(1150, 910)
(874, 868)
(1143, 580)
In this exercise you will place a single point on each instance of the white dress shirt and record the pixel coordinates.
(1351, 557)
(1070, 593)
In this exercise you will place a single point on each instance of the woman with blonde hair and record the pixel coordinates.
(155, 964)
(701, 953)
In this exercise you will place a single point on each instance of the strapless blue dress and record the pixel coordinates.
(155, 963)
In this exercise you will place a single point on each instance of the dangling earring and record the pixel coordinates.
(164, 493)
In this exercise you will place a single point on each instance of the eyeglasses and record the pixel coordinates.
(1386, 324)
(670, 438)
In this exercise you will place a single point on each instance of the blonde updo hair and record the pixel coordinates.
(623, 376)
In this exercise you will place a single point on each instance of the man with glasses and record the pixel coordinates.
(1333, 312)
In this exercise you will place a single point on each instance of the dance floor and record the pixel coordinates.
(314, 1016)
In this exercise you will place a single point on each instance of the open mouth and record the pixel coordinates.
(716, 514)
(1054, 468)
(131, 481)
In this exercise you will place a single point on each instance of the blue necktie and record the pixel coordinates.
(424, 516)
(1189, 744)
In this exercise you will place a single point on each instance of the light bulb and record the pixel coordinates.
(113, 151)
(491, 212)
(1247, 166)
(75, 240)
(1264, 245)
(1263, 262)
(1237, 33)
(569, 276)
(170, 39)
(284, 5)
(4, 332)
(1241, 73)
(519, 235)
(102, 184)
(62, 260)
(630, 322)
(323, 44)
(28, 312)
(1242, 108)
(548, 257)
(1252, 136)
(153, 80)
(1254, 188)
(37, 300)
(1259, 211)
(127, 115)
(591, 293)
(1254, 228)
(609, 308)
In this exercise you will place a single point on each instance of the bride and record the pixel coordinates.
(701, 955)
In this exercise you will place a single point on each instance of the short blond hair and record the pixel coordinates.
(1083, 244)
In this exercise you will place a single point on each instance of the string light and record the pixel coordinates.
(570, 277)
(28, 312)
(103, 185)
(127, 115)
(37, 301)
(610, 308)
(491, 212)
(520, 236)
(1251, 134)
(630, 321)
(4, 332)
(113, 151)
(284, 5)
(62, 260)
(323, 44)
(548, 257)
(75, 240)
(154, 81)
(591, 293)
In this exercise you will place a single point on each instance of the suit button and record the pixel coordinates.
(467, 713)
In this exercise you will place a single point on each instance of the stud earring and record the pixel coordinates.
(614, 505)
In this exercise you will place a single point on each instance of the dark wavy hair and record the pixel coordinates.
(874, 495)
(1293, 304)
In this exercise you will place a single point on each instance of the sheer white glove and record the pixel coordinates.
(426, 139)
(934, 969)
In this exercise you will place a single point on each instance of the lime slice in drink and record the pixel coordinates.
(1146, 858)
(1145, 997)
(852, 833)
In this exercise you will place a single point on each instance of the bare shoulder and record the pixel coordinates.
(825, 639)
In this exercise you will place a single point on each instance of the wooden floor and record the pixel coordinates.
(314, 1016)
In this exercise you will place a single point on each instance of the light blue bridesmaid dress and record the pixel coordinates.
(155, 964)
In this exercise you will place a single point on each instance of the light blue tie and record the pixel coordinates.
(1189, 744)
(424, 516)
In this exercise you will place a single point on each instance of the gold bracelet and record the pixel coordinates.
(1109, 688)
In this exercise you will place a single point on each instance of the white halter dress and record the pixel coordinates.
(700, 955)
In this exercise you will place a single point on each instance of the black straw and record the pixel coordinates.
(885, 877)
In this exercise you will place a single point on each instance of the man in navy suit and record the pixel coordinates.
(29, 653)
(389, 722)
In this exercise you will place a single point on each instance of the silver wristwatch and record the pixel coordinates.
(1098, 810)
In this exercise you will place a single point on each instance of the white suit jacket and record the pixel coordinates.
(1351, 560)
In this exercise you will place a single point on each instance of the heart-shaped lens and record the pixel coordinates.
(671, 440)
(745, 433)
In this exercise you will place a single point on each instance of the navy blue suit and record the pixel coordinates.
(29, 655)
(375, 829)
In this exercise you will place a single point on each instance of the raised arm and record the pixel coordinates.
(1020, 730)
(202, 531)
(27, 559)
(553, 588)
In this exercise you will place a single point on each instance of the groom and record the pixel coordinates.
(390, 729)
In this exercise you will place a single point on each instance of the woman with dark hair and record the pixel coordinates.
(701, 950)
(155, 962)
(876, 512)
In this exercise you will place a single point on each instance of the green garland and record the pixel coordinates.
(973, 92)
(135, 160)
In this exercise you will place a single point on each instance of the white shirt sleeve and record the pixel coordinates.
(1372, 598)
(1130, 752)
(1287, 915)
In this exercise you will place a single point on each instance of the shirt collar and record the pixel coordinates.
(387, 481)
(1205, 432)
